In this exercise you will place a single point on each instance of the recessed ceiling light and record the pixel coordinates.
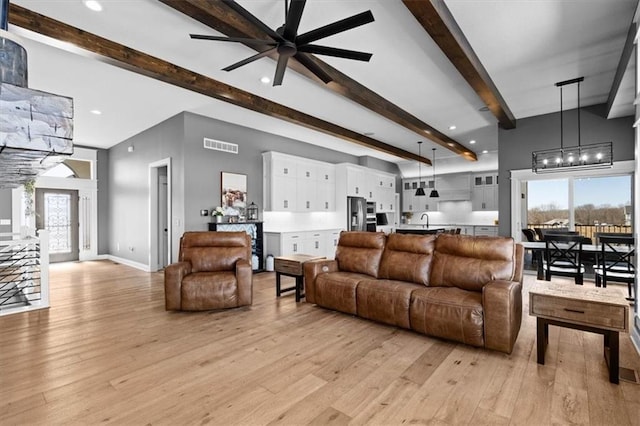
(451, 144)
(428, 132)
(472, 141)
(484, 109)
(452, 127)
(93, 5)
(368, 133)
(96, 111)
(485, 152)
(265, 80)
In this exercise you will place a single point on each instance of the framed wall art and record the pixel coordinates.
(234, 193)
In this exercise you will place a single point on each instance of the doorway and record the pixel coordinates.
(160, 240)
(57, 212)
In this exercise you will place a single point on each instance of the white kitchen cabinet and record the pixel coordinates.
(490, 231)
(317, 243)
(356, 182)
(484, 192)
(384, 191)
(285, 198)
(297, 184)
(413, 203)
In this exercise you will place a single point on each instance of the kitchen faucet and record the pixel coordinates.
(422, 217)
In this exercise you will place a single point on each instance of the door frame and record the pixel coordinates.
(154, 262)
(75, 228)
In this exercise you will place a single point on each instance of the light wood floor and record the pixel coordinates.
(107, 352)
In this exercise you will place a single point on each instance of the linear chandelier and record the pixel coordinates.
(564, 159)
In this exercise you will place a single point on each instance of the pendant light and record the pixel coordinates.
(434, 192)
(593, 156)
(420, 190)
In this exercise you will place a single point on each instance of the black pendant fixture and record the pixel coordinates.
(420, 190)
(434, 191)
(567, 158)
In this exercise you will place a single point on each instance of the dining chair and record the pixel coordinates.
(615, 261)
(536, 254)
(563, 257)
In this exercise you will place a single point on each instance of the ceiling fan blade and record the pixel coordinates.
(294, 15)
(250, 59)
(334, 51)
(233, 39)
(311, 66)
(252, 19)
(335, 28)
(280, 69)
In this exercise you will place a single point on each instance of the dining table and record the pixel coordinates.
(586, 248)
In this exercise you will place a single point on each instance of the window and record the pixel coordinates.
(584, 204)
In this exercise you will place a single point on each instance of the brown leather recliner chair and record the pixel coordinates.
(213, 272)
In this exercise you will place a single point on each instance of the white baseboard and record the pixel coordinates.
(128, 262)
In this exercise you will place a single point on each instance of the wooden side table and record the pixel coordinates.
(292, 266)
(594, 310)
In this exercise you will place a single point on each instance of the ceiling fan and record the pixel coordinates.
(288, 43)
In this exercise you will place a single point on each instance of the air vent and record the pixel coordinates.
(221, 146)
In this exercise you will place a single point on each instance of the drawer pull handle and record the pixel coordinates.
(574, 310)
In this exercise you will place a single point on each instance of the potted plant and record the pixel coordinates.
(218, 214)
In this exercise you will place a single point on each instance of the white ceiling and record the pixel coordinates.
(525, 45)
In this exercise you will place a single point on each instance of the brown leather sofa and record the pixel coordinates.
(213, 272)
(456, 287)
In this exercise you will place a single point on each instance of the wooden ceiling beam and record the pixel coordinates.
(223, 19)
(113, 53)
(439, 23)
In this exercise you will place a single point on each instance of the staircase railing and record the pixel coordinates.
(24, 272)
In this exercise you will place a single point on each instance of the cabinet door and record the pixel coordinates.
(292, 243)
(306, 171)
(283, 166)
(326, 173)
(284, 194)
(314, 243)
(331, 243)
(306, 196)
(355, 177)
(326, 197)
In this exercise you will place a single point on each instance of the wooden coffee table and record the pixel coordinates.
(292, 266)
(597, 310)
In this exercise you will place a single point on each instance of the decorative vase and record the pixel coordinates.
(218, 219)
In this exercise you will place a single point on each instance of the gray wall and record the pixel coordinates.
(543, 132)
(128, 187)
(202, 176)
(195, 175)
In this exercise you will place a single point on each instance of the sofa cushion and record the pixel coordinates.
(360, 252)
(386, 301)
(407, 257)
(209, 290)
(449, 313)
(470, 262)
(337, 290)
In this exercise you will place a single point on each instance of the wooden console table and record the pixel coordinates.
(597, 310)
(292, 266)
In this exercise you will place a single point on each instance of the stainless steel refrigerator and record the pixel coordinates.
(357, 213)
